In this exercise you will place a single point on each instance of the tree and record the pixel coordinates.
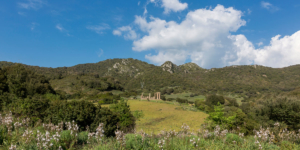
(127, 120)
(3, 80)
(213, 100)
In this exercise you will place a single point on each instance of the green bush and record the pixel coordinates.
(109, 118)
(82, 112)
(127, 120)
(134, 141)
(138, 114)
(230, 138)
(170, 99)
(162, 97)
(213, 100)
(82, 138)
(200, 104)
(179, 100)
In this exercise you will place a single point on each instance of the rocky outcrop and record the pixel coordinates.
(169, 66)
(188, 67)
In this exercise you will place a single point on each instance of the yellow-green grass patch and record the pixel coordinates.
(160, 116)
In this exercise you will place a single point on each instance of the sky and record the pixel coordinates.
(212, 34)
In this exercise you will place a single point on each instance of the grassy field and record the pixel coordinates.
(159, 116)
(185, 96)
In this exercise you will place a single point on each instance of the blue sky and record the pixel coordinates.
(213, 33)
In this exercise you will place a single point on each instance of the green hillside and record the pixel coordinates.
(130, 73)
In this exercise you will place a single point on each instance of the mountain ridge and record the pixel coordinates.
(187, 77)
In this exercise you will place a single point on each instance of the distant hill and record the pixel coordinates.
(187, 77)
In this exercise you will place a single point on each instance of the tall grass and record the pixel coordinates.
(16, 133)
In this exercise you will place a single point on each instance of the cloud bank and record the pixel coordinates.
(206, 37)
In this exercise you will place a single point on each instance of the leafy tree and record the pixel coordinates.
(82, 112)
(214, 100)
(3, 80)
(109, 118)
(33, 107)
(127, 120)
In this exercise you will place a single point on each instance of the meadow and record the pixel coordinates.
(160, 115)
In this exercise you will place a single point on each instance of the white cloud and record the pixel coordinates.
(269, 6)
(129, 34)
(259, 43)
(117, 32)
(176, 57)
(199, 27)
(60, 27)
(206, 37)
(249, 11)
(281, 52)
(100, 52)
(145, 11)
(99, 28)
(171, 5)
(202, 35)
(32, 4)
(139, 3)
(33, 26)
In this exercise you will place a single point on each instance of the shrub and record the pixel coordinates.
(34, 108)
(230, 138)
(170, 99)
(213, 100)
(82, 137)
(82, 112)
(163, 98)
(133, 141)
(138, 114)
(200, 104)
(127, 120)
(179, 100)
(109, 118)
(232, 102)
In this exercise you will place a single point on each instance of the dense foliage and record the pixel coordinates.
(128, 74)
(29, 95)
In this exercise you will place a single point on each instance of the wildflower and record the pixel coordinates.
(185, 128)
(120, 136)
(161, 143)
(13, 147)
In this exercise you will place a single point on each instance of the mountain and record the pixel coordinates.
(130, 73)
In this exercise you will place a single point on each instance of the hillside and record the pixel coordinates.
(187, 77)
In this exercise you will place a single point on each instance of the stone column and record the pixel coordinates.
(149, 96)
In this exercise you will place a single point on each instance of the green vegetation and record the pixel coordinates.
(84, 106)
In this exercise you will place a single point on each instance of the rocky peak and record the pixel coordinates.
(169, 66)
(190, 67)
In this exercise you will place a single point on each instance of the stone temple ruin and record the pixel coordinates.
(155, 97)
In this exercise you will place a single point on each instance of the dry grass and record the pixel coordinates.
(159, 116)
